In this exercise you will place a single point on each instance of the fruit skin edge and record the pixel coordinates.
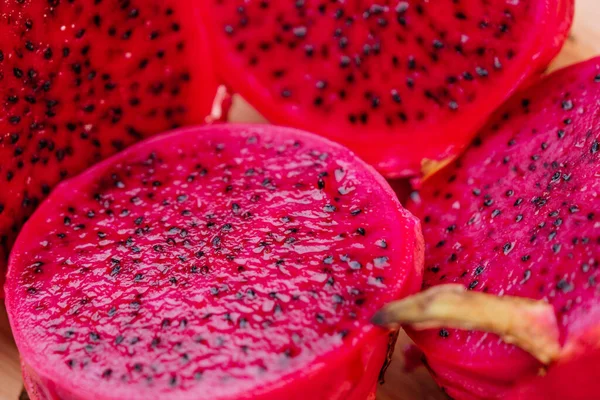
(548, 44)
(370, 357)
(371, 393)
(36, 387)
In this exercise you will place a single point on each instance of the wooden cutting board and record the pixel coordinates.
(400, 385)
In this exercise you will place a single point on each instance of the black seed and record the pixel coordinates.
(375, 102)
(299, 31)
(564, 286)
(309, 50)
(590, 216)
(380, 261)
(355, 265)
(48, 53)
(329, 208)
(344, 61)
(115, 271)
(526, 276)
(381, 243)
(343, 42)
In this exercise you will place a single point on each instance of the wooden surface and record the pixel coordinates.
(400, 385)
(10, 375)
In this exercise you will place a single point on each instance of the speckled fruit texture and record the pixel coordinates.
(224, 262)
(518, 215)
(83, 79)
(398, 82)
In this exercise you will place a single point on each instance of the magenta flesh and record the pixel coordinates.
(518, 215)
(224, 262)
(81, 80)
(398, 82)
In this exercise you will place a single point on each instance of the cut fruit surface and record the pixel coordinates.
(81, 80)
(517, 215)
(221, 262)
(405, 84)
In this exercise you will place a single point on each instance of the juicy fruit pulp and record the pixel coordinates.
(224, 262)
(518, 215)
(81, 80)
(405, 84)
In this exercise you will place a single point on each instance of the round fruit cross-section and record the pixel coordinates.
(83, 79)
(517, 215)
(221, 262)
(405, 84)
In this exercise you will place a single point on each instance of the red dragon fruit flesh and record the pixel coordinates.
(83, 79)
(222, 262)
(512, 249)
(405, 84)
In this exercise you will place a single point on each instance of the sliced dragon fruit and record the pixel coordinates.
(81, 80)
(405, 84)
(227, 262)
(515, 222)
